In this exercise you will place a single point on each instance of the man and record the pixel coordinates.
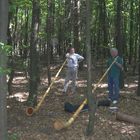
(113, 75)
(72, 69)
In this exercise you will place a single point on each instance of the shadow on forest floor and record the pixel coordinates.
(40, 125)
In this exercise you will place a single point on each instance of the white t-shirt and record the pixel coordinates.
(72, 59)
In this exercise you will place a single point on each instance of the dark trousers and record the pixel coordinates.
(113, 87)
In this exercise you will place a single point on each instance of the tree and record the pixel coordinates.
(34, 56)
(90, 96)
(3, 61)
(138, 90)
(49, 31)
(119, 35)
(131, 40)
(68, 23)
(76, 24)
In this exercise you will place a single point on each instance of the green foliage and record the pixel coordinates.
(4, 70)
(62, 22)
(21, 4)
(13, 136)
(5, 48)
(22, 64)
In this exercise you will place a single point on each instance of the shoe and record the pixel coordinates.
(113, 109)
(64, 92)
(73, 92)
(115, 102)
(109, 99)
(113, 106)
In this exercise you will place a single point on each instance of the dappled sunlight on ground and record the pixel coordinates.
(18, 78)
(128, 129)
(40, 125)
(121, 127)
(20, 96)
(82, 83)
(132, 85)
(101, 85)
(60, 80)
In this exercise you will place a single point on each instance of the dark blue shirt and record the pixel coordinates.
(115, 70)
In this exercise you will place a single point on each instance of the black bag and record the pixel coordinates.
(68, 107)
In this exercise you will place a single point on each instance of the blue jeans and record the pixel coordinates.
(113, 87)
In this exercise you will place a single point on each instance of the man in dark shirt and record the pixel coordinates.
(113, 75)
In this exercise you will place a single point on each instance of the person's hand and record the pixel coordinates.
(116, 63)
(119, 65)
(67, 55)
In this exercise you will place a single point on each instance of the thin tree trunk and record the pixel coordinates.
(49, 30)
(90, 96)
(68, 25)
(34, 56)
(3, 62)
(135, 48)
(76, 25)
(119, 36)
(60, 30)
(15, 31)
(105, 28)
(10, 58)
(131, 32)
(138, 90)
(26, 34)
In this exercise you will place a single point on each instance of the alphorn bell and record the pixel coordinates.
(30, 110)
(59, 124)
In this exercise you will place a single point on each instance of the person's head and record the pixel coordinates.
(71, 50)
(113, 52)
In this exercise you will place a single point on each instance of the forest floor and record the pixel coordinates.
(40, 125)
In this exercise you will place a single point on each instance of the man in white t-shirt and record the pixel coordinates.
(72, 69)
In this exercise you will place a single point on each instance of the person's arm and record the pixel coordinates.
(107, 63)
(119, 63)
(67, 55)
(80, 58)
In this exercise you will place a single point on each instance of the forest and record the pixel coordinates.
(46, 43)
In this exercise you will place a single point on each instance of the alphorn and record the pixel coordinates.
(59, 124)
(30, 110)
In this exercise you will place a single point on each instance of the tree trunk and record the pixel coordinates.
(34, 56)
(3, 62)
(105, 29)
(119, 36)
(10, 58)
(138, 90)
(15, 31)
(49, 30)
(127, 118)
(131, 32)
(67, 25)
(135, 45)
(90, 96)
(76, 43)
(26, 34)
(11, 74)
(60, 33)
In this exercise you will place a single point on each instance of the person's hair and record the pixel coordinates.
(69, 49)
(114, 49)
